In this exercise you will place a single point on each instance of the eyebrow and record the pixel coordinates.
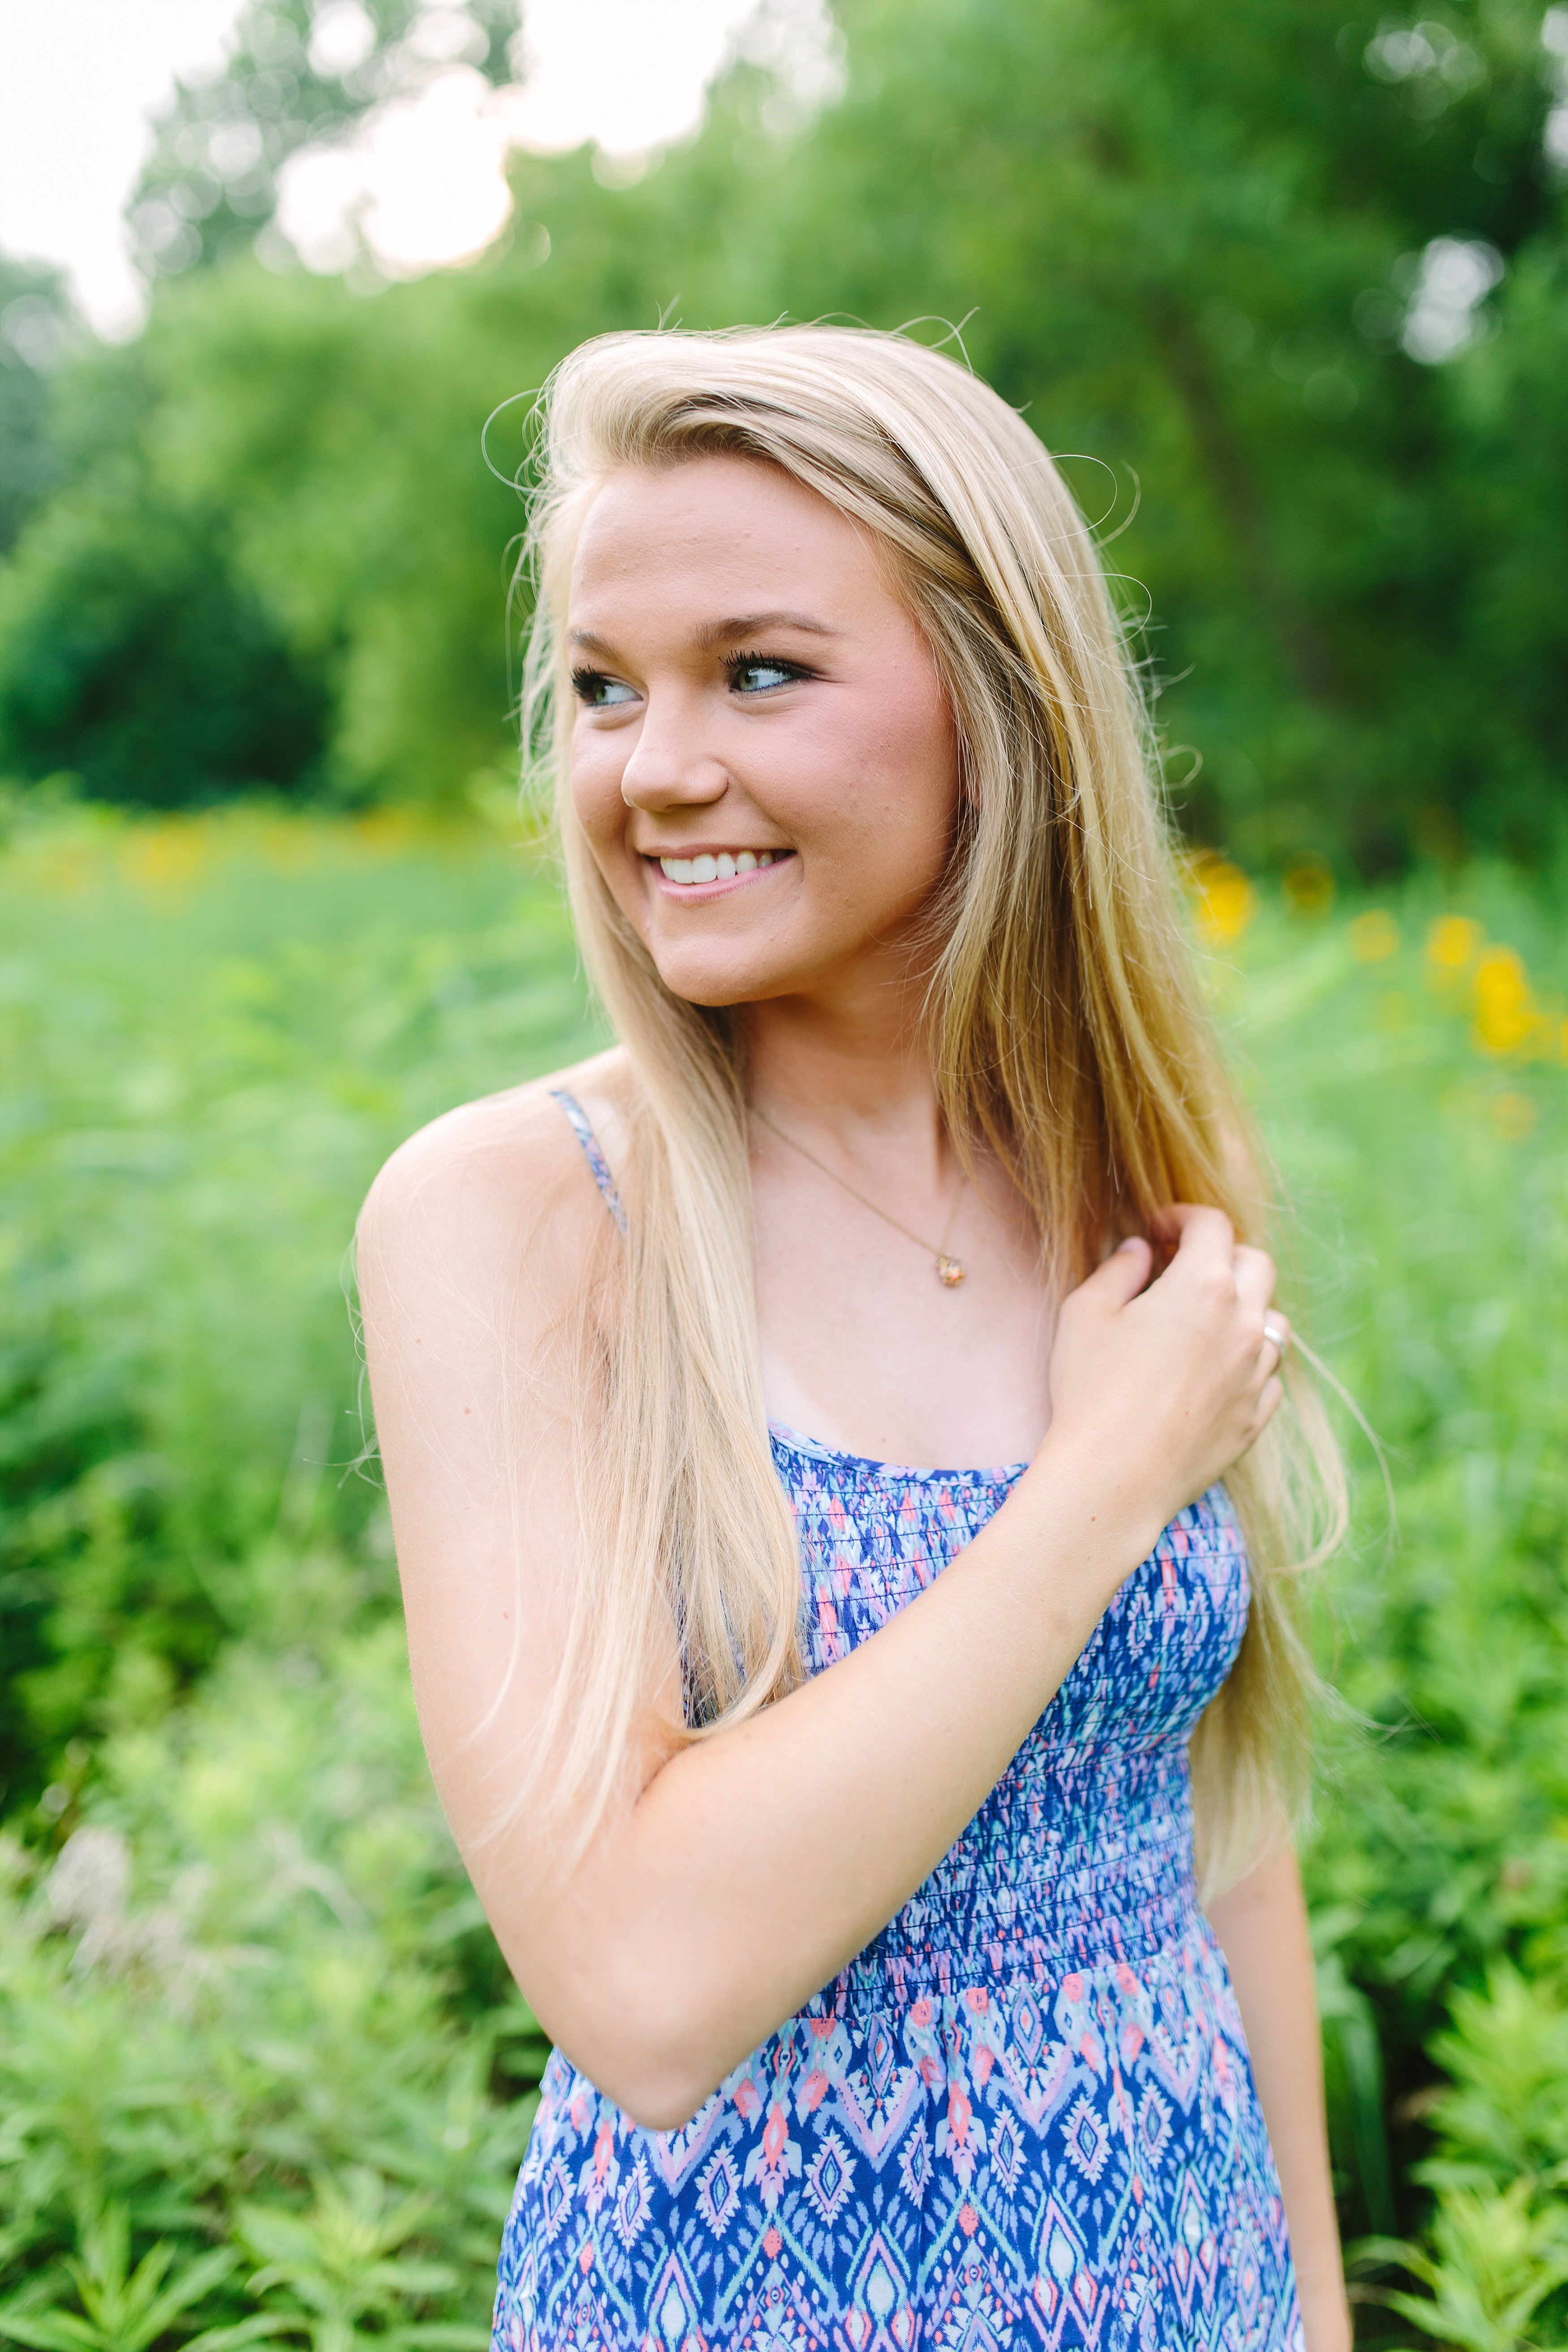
(747, 625)
(718, 633)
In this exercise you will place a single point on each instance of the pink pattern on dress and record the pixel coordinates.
(1024, 2114)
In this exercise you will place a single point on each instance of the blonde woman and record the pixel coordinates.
(834, 1815)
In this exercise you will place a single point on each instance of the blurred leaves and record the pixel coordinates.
(121, 2309)
(37, 330)
(213, 1032)
(1506, 2116)
(1352, 2073)
(337, 2262)
(136, 659)
(1423, 1140)
(1286, 288)
(252, 2083)
(1494, 2262)
(241, 1972)
(297, 74)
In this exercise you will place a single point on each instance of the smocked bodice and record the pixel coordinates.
(1082, 1853)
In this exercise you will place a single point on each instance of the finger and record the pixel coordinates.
(1122, 1276)
(1275, 1340)
(1270, 1397)
(1201, 1232)
(1255, 1278)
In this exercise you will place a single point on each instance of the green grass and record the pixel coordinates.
(260, 2069)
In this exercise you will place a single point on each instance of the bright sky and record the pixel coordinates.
(79, 79)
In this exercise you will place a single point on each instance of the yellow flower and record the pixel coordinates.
(1374, 936)
(1223, 900)
(166, 855)
(1453, 941)
(385, 831)
(1505, 1012)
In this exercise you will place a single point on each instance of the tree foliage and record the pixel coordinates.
(36, 328)
(1194, 246)
(1287, 289)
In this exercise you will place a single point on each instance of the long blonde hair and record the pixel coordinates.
(1068, 1034)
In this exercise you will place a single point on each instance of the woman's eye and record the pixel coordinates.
(752, 676)
(599, 692)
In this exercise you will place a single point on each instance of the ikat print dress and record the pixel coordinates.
(1025, 2114)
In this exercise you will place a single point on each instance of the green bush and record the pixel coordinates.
(131, 656)
(1416, 1097)
(213, 1032)
(257, 2068)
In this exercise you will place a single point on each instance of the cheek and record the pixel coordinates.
(597, 765)
(905, 756)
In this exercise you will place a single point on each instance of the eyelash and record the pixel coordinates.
(584, 681)
(736, 663)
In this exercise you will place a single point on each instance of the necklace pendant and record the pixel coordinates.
(949, 1271)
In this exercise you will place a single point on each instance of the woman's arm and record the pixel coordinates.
(1261, 1924)
(752, 1866)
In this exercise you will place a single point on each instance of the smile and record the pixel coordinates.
(722, 867)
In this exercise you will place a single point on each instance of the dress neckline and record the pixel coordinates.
(1006, 1474)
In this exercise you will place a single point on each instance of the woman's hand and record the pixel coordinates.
(1173, 1378)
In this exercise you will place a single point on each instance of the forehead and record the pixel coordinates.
(713, 527)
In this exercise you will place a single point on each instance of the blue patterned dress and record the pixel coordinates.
(1024, 2115)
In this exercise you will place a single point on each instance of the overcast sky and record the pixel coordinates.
(79, 79)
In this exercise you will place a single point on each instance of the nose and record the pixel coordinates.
(668, 767)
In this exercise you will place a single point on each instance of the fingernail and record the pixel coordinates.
(1132, 1241)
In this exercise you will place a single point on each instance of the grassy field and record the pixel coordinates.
(260, 2071)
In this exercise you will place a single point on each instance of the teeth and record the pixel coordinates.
(722, 868)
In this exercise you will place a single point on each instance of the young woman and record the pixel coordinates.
(835, 1816)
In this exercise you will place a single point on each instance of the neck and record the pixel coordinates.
(856, 1074)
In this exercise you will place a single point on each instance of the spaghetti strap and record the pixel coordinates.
(582, 1127)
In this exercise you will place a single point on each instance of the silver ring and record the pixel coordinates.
(1275, 1336)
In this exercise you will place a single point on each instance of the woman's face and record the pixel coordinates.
(763, 759)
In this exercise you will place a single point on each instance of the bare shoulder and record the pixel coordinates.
(492, 1185)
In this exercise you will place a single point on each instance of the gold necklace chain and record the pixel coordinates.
(950, 1271)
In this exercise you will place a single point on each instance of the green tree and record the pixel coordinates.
(1194, 248)
(1287, 289)
(38, 328)
(132, 658)
(132, 654)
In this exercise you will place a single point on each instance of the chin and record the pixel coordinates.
(714, 982)
(713, 994)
